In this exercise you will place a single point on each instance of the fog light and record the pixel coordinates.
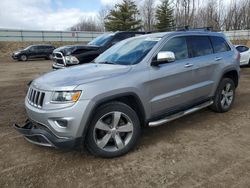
(62, 123)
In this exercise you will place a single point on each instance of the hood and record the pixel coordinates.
(68, 79)
(70, 49)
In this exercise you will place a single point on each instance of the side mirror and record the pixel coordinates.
(163, 57)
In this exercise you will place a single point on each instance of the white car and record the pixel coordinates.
(244, 54)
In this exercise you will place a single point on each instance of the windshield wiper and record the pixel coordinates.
(107, 62)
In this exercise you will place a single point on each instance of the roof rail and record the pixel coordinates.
(184, 28)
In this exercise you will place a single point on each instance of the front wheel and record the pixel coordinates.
(114, 130)
(224, 97)
(50, 57)
(24, 58)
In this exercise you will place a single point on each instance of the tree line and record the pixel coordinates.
(155, 15)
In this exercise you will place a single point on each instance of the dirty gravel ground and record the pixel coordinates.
(204, 149)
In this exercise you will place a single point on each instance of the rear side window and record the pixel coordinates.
(178, 46)
(199, 46)
(219, 44)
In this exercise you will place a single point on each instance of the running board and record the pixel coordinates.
(179, 114)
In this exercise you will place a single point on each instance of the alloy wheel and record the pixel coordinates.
(113, 131)
(227, 96)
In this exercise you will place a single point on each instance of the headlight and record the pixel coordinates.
(66, 96)
(71, 60)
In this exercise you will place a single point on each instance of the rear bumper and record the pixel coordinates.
(39, 135)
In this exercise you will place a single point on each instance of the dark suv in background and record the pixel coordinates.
(34, 51)
(79, 54)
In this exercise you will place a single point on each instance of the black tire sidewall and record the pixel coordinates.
(109, 107)
(218, 96)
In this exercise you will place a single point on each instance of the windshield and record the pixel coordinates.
(27, 48)
(101, 40)
(128, 52)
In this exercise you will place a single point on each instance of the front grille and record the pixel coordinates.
(58, 57)
(59, 61)
(36, 98)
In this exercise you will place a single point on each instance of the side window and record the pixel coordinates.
(33, 48)
(199, 46)
(178, 46)
(219, 44)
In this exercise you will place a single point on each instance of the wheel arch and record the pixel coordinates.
(232, 74)
(129, 98)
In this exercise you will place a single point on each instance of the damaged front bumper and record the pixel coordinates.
(40, 135)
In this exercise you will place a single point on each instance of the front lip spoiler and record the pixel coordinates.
(44, 137)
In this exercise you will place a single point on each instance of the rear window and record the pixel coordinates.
(199, 46)
(242, 48)
(219, 44)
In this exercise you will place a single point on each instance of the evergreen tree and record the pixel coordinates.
(123, 17)
(164, 16)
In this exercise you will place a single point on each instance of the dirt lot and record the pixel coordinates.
(204, 149)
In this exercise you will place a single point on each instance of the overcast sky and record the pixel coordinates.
(48, 14)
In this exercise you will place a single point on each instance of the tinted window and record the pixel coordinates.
(101, 40)
(219, 44)
(178, 46)
(199, 46)
(242, 48)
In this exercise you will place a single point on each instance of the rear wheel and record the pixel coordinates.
(24, 58)
(114, 130)
(224, 97)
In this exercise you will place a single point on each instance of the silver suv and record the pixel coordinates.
(142, 81)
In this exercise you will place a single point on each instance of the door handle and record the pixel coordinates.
(188, 65)
(218, 58)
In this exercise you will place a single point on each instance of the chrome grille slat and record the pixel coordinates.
(35, 97)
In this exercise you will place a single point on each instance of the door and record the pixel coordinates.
(171, 84)
(42, 51)
(205, 65)
(33, 52)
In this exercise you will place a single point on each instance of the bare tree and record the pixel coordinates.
(86, 24)
(147, 10)
(102, 14)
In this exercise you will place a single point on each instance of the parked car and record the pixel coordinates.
(244, 53)
(34, 51)
(143, 81)
(79, 54)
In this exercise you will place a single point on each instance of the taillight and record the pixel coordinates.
(238, 57)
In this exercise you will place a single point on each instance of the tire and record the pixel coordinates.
(248, 63)
(50, 56)
(23, 58)
(224, 96)
(108, 136)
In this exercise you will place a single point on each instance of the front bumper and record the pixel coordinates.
(57, 66)
(15, 57)
(39, 135)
